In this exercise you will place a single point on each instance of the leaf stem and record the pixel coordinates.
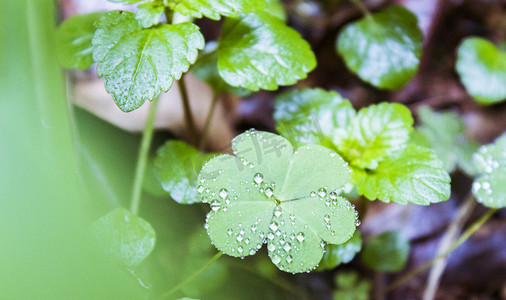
(449, 237)
(190, 124)
(365, 11)
(142, 157)
(472, 229)
(209, 118)
(193, 276)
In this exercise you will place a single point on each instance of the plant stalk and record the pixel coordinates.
(142, 157)
(209, 119)
(190, 124)
(193, 276)
(470, 231)
(365, 11)
(450, 236)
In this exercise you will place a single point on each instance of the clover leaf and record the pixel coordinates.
(177, 165)
(373, 142)
(138, 63)
(74, 41)
(490, 160)
(482, 70)
(267, 193)
(341, 254)
(386, 252)
(259, 51)
(149, 13)
(383, 49)
(125, 236)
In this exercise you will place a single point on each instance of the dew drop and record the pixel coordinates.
(200, 189)
(271, 247)
(277, 213)
(240, 249)
(270, 236)
(322, 192)
(215, 205)
(287, 247)
(258, 178)
(276, 259)
(273, 226)
(252, 252)
(268, 192)
(326, 218)
(229, 232)
(289, 259)
(223, 193)
(300, 237)
(239, 238)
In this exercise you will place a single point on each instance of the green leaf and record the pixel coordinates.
(267, 193)
(275, 8)
(125, 1)
(490, 160)
(414, 174)
(206, 69)
(482, 70)
(383, 49)
(311, 116)
(443, 132)
(214, 9)
(341, 254)
(177, 165)
(125, 236)
(349, 287)
(375, 133)
(137, 63)
(74, 41)
(386, 252)
(258, 51)
(151, 184)
(149, 13)
(464, 153)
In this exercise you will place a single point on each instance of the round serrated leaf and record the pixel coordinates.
(375, 133)
(383, 49)
(74, 41)
(125, 236)
(258, 51)
(386, 252)
(149, 13)
(269, 194)
(311, 116)
(206, 69)
(214, 9)
(490, 161)
(177, 165)
(341, 254)
(482, 70)
(138, 63)
(414, 175)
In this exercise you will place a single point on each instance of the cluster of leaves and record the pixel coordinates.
(139, 57)
(374, 141)
(268, 192)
